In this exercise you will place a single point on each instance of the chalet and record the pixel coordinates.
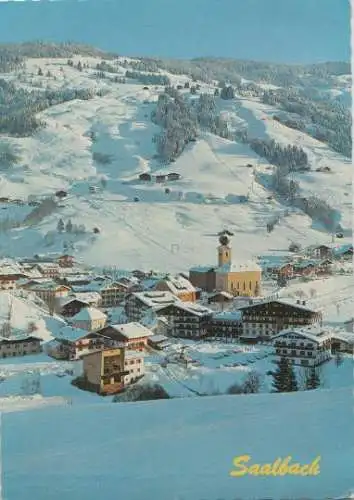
(104, 371)
(9, 277)
(263, 320)
(49, 290)
(145, 177)
(178, 286)
(72, 306)
(66, 261)
(303, 267)
(173, 176)
(159, 342)
(128, 335)
(137, 304)
(89, 318)
(324, 267)
(48, 269)
(285, 270)
(19, 346)
(319, 251)
(112, 294)
(70, 344)
(226, 325)
(303, 346)
(91, 298)
(203, 277)
(77, 280)
(343, 342)
(187, 319)
(134, 367)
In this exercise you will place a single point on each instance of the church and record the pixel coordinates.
(240, 280)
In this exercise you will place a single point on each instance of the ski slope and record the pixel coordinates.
(163, 231)
(180, 449)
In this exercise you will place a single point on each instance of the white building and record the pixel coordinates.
(89, 318)
(139, 303)
(304, 346)
(134, 364)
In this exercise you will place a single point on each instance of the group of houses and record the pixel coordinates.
(111, 322)
(159, 177)
(318, 260)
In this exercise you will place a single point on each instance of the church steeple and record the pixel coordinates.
(224, 251)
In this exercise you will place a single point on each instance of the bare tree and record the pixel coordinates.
(252, 383)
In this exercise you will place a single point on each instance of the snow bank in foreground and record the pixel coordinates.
(179, 449)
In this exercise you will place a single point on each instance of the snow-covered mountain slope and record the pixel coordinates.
(24, 313)
(165, 230)
(181, 448)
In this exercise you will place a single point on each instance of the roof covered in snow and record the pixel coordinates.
(88, 314)
(70, 333)
(132, 330)
(156, 299)
(239, 267)
(178, 284)
(313, 333)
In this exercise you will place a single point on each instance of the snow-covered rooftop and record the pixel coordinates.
(156, 299)
(132, 330)
(239, 267)
(178, 284)
(70, 333)
(315, 333)
(88, 314)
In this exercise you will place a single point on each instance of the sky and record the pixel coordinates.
(287, 31)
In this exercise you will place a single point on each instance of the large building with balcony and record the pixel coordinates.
(226, 325)
(261, 321)
(104, 371)
(187, 320)
(139, 304)
(133, 336)
(109, 371)
(304, 346)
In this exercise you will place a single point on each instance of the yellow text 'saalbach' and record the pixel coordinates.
(280, 467)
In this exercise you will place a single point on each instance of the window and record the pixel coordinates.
(244, 285)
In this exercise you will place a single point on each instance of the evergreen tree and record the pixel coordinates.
(280, 376)
(313, 380)
(69, 226)
(79, 66)
(40, 72)
(60, 226)
(227, 93)
(284, 378)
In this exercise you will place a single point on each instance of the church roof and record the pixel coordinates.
(235, 267)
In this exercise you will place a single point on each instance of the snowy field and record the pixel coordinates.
(180, 449)
(217, 366)
(163, 231)
(25, 313)
(214, 368)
